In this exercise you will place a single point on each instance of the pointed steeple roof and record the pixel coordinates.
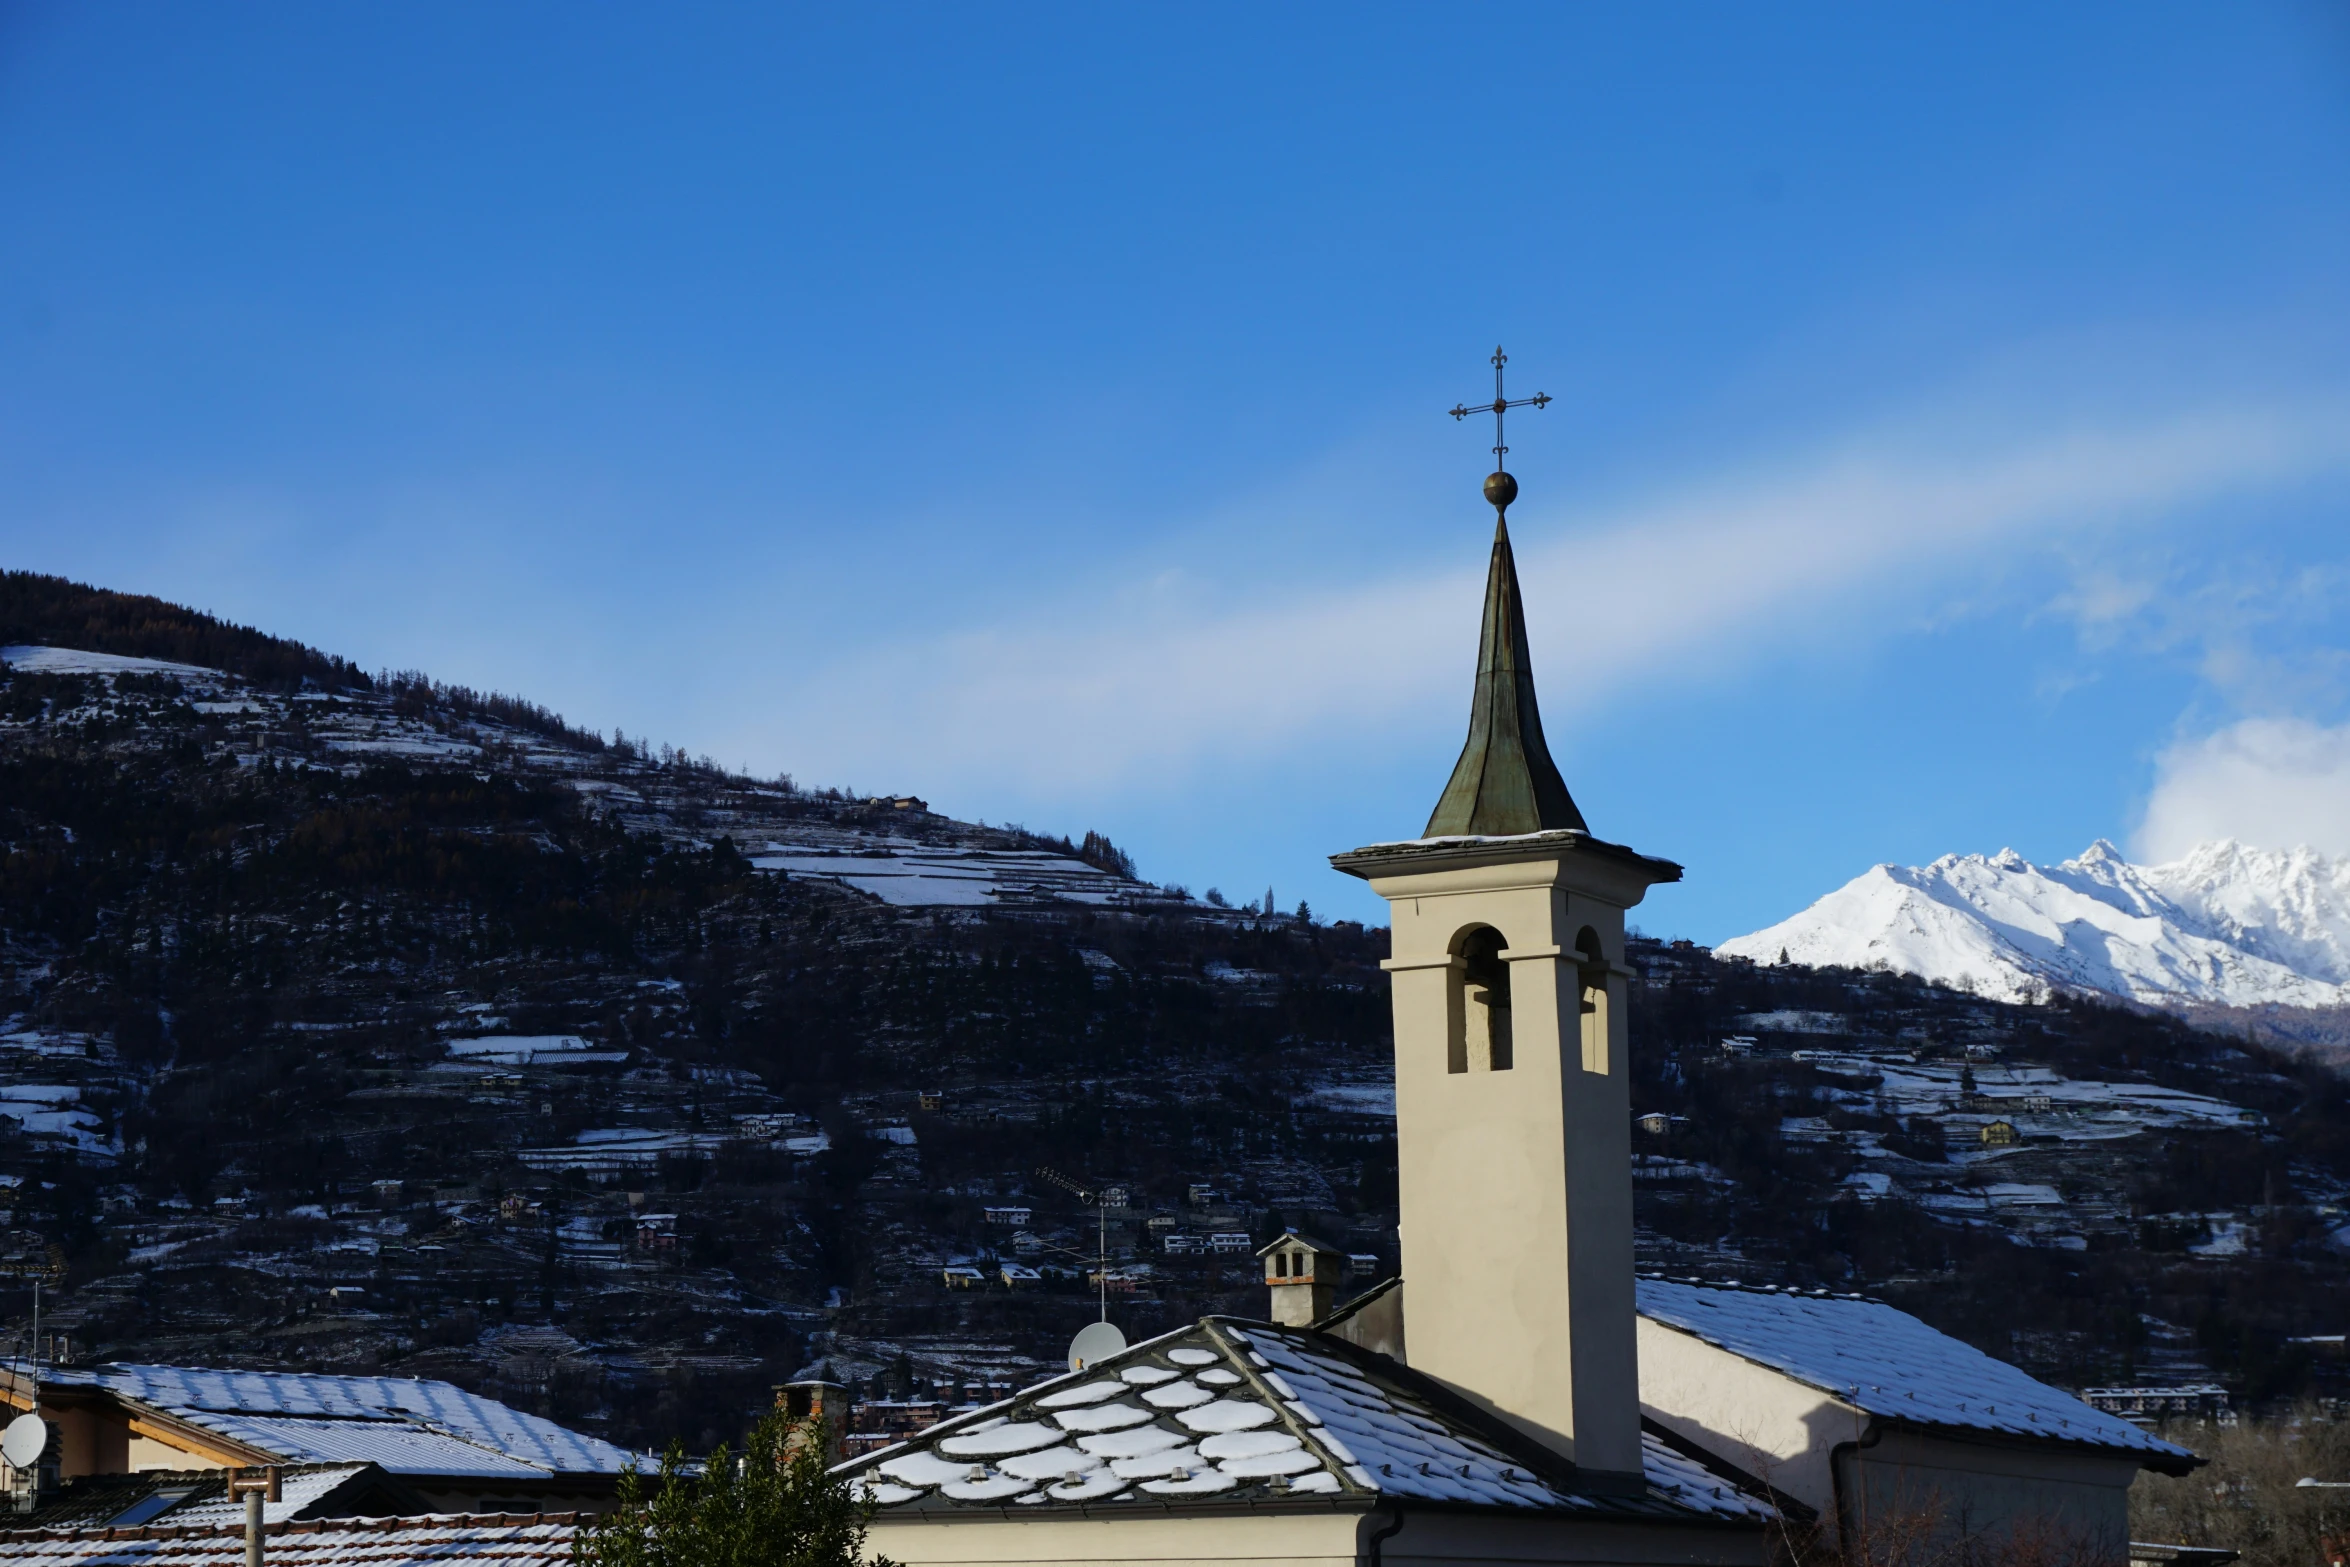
(1505, 783)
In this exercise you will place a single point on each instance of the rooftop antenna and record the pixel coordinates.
(1100, 1339)
(1500, 488)
(49, 1269)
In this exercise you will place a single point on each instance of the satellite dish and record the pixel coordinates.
(1094, 1343)
(27, 1437)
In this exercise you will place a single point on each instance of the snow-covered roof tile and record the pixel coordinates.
(309, 1418)
(1691, 1484)
(297, 1489)
(399, 1446)
(507, 1541)
(1243, 1411)
(1887, 1363)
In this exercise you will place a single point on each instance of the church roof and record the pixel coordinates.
(1228, 1411)
(1889, 1364)
(1505, 783)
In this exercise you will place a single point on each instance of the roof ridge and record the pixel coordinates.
(1230, 1340)
(1792, 1291)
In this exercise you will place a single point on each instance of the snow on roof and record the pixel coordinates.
(400, 1447)
(310, 1417)
(297, 1489)
(1247, 1412)
(1886, 1362)
(510, 1540)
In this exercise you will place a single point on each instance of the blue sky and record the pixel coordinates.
(1040, 410)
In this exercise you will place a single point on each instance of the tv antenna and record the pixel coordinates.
(48, 1269)
(1101, 1338)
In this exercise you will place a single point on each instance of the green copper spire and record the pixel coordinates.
(1505, 782)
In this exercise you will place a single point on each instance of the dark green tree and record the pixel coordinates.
(775, 1505)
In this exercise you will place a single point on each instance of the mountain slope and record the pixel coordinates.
(398, 1029)
(2226, 925)
(387, 1023)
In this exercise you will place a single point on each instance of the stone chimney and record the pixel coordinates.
(1303, 1275)
(811, 1406)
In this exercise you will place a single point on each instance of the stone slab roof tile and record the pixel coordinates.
(1230, 1412)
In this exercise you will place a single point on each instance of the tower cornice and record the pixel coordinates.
(1417, 856)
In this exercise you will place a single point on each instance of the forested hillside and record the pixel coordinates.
(368, 1022)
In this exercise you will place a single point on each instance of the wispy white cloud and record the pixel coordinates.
(2277, 783)
(1060, 699)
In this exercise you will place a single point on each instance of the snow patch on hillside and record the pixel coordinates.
(909, 874)
(2224, 924)
(35, 660)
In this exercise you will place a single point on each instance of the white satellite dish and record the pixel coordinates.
(1094, 1343)
(26, 1438)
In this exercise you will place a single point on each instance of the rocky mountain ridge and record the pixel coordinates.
(2226, 925)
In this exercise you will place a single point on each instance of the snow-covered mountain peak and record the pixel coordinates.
(2226, 923)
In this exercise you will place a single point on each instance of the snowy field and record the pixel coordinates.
(72, 661)
(614, 1150)
(907, 874)
(2080, 1110)
(54, 1110)
(531, 1050)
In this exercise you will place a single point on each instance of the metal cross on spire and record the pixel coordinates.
(1500, 488)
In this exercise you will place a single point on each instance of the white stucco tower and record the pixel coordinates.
(1512, 1101)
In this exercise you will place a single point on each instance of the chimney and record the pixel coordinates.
(1303, 1275)
(815, 1408)
(256, 1490)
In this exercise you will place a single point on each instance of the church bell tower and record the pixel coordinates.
(1512, 1100)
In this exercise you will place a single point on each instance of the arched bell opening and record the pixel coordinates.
(1591, 970)
(1480, 1011)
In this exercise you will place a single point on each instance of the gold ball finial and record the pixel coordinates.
(1500, 490)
